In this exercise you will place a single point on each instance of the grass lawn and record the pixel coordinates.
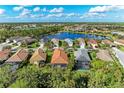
(93, 55)
(121, 48)
(103, 46)
(34, 45)
(49, 55)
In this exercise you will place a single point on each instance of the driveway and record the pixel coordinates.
(104, 55)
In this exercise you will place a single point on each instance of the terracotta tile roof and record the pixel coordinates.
(108, 42)
(38, 55)
(92, 41)
(4, 54)
(19, 56)
(59, 57)
(120, 41)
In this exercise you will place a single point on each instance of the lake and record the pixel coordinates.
(64, 35)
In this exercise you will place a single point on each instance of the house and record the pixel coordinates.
(4, 46)
(16, 40)
(4, 55)
(104, 55)
(108, 42)
(81, 42)
(55, 42)
(15, 48)
(39, 57)
(82, 59)
(10, 40)
(59, 58)
(69, 41)
(119, 42)
(18, 57)
(92, 43)
(21, 40)
(118, 33)
(42, 43)
(28, 40)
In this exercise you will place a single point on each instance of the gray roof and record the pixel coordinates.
(69, 41)
(82, 55)
(21, 39)
(14, 38)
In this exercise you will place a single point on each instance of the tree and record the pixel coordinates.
(31, 77)
(61, 78)
(6, 76)
(81, 79)
(105, 74)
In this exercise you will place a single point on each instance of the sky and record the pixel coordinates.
(61, 13)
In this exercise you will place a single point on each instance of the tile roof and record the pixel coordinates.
(120, 41)
(82, 55)
(4, 46)
(92, 41)
(38, 55)
(13, 38)
(59, 57)
(23, 39)
(4, 54)
(108, 42)
(28, 40)
(69, 41)
(19, 56)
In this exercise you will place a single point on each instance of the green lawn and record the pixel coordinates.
(34, 45)
(121, 48)
(93, 55)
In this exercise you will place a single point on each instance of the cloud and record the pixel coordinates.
(91, 15)
(103, 9)
(18, 8)
(24, 13)
(55, 15)
(57, 10)
(36, 9)
(72, 15)
(66, 15)
(25, 16)
(2, 11)
(36, 16)
(100, 11)
(44, 9)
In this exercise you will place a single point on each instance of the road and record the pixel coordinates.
(119, 54)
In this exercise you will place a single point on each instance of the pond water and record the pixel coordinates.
(64, 35)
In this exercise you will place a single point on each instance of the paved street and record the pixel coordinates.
(120, 55)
